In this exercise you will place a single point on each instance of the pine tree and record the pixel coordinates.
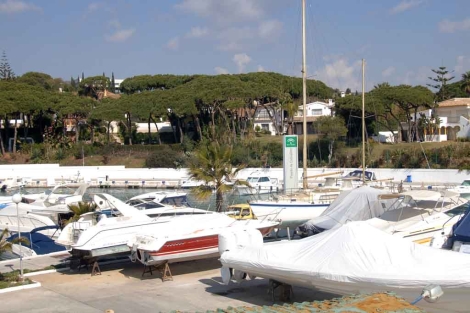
(440, 83)
(104, 75)
(72, 82)
(113, 83)
(78, 80)
(5, 70)
(83, 76)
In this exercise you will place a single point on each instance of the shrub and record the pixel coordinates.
(165, 156)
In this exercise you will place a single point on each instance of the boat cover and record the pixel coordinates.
(358, 204)
(353, 253)
(461, 229)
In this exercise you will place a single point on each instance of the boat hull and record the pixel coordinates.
(290, 214)
(185, 249)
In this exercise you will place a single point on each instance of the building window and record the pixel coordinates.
(262, 114)
(265, 126)
(317, 112)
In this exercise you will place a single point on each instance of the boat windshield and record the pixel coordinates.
(176, 201)
(252, 179)
(466, 182)
(458, 210)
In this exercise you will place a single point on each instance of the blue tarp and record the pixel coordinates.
(461, 229)
(40, 243)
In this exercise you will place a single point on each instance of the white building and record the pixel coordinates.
(117, 83)
(314, 110)
(454, 115)
(262, 120)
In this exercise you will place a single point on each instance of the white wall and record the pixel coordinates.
(54, 171)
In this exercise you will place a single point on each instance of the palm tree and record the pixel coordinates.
(465, 82)
(213, 166)
(79, 209)
(6, 245)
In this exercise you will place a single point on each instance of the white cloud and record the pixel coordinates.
(94, 6)
(388, 71)
(261, 69)
(341, 74)
(446, 26)
(15, 6)
(241, 60)
(417, 77)
(225, 11)
(220, 70)
(173, 43)
(234, 38)
(405, 5)
(114, 23)
(269, 29)
(121, 35)
(197, 32)
(462, 65)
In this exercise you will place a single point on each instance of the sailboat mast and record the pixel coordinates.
(304, 99)
(363, 125)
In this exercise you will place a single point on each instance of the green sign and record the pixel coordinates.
(291, 142)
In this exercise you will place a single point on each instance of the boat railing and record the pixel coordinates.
(177, 211)
(264, 217)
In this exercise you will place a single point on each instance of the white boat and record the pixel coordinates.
(59, 194)
(351, 259)
(40, 213)
(95, 235)
(188, 238)
(417, 215)
(463, 189)
(291, 212)
(191, 183)
(152, 203)
(11, 183)
(357, 204)
(258, 183)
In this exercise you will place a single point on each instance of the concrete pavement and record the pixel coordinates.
(195, 287)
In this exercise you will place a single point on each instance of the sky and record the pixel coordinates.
(400, 40)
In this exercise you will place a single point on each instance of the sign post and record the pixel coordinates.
(290, 152)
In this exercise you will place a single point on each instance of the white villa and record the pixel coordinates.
(454, 115)
(262, 120)
(314, 110)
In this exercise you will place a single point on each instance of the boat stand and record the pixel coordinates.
(286, 291)
(163, 268)
(95, 270)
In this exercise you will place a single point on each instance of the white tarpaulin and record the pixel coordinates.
(357, 257)
(358, 204)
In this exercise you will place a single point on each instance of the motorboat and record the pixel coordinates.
(96, 235)
(188, 238)
(417, 215)
(165, 197)
(455, 237)
(11, 183)
(296, 208)
(258, 182)
(351, 259)
(38, 242)
(191, 183)
(463, 189)
(48, 211)
(357, 204)
(61, 193)
(153, 203)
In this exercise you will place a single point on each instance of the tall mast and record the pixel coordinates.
(304, 98)
(363, 125)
